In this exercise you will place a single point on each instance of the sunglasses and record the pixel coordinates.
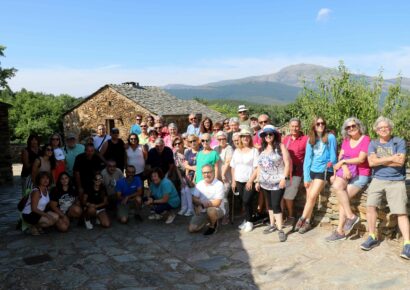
(269, 135)
(133, 138)
(138, 119)
(226, 123)
(205, 140)
(192, 119)
(191, 141)
(156, 128)
(263, 122)
(354, 126)
(216, 129)
(222, 139)
(177, 143)
(318, 124)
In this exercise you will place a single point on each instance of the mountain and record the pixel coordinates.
(281, 87)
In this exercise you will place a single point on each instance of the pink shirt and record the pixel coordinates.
(363, 146)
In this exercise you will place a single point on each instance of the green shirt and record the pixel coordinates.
(203, 159)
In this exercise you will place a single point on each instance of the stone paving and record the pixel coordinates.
(153, 255)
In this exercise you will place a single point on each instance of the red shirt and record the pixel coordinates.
(297, 149)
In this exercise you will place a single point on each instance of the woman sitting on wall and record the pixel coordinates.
(352, 174)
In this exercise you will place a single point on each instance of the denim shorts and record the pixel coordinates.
(359, 181)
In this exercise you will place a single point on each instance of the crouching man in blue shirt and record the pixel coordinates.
(128, 191)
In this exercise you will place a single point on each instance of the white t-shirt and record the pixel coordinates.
(209, 192)
(136, 159)
(244, 164)
(99, 140)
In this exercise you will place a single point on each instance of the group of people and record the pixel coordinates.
(196, 171)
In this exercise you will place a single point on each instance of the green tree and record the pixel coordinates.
(5, 73)
(344, 95)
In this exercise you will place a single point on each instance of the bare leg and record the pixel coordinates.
(403, 222)
(312, 193)
(279, 220)
(371, 216)
(104, 219)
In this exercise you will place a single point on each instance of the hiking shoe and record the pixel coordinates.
(335, 236)
(88, 224)
(350, 223)
(282, 236)
(170, 218)
(290, 222)
(369, 244)
(305, 227)
(248, 227)
(299, 224)
(405, 254)
(242, 225)
(269, 229)
(154, 216)
(211, 231)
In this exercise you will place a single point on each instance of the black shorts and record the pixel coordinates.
(31, 218)
(321, 175)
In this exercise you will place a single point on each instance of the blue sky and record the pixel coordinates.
(78, 46)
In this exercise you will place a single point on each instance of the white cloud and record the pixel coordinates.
(83, 82)
(323, 15)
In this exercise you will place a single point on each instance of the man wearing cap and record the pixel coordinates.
(114, 149)
(160, 156)
(71, 150)
(243, 116)
(101, 137)
(193, 127)
(295, 142)
(136, 127)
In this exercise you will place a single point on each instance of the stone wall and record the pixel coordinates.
(105, 105)
(326, 212)
(6, 170)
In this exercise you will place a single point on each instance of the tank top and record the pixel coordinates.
(136, 159)
(272, 169)
(42, 203)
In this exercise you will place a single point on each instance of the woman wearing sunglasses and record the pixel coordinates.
(352, 174)
(317, 168)
(206, 156)
(272, 175)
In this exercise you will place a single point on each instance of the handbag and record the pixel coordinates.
(351, 167)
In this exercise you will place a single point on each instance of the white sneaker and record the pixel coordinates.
(170, 218)
(88, 224)
(155, 216)
(182, 212)
(242, 225)
(248, 227)
(188, 213)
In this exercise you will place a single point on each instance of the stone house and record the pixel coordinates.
(117, 106)
(6, 169)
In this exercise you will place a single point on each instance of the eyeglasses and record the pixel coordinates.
(205, 140)
(318, 124)
(383, 128)
(263, 122)
(351, 127)
(221, 139)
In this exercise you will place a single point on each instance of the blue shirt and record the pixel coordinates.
(126, 188)
(192, 130)
(394, 146)
(318, 155)
(165, 187)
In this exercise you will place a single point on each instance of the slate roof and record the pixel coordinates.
(160, 102)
